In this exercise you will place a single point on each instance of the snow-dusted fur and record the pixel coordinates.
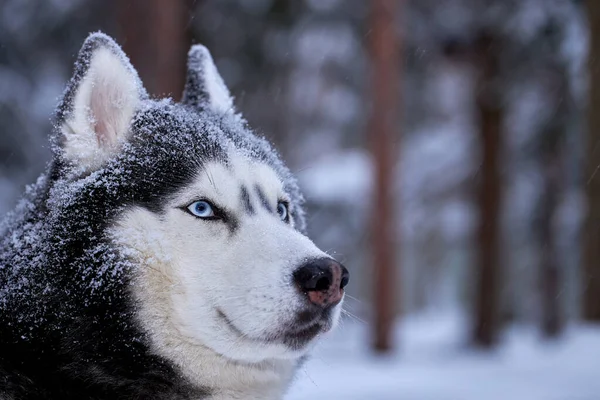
(111, 287)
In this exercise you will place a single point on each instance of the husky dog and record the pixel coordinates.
(162, 255)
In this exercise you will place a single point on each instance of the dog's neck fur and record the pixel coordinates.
(226, 379)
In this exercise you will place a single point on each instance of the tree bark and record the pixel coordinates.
(550, 147)
(550, 273)
(384, 131)
(490, 116)
(154, 34)
(591, 254)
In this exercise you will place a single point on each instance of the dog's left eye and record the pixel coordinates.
(282, 210)
(202, 209)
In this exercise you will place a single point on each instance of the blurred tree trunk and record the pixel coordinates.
(552, 166)
(591, 270)
(549, 260)
(490, 115)
(385, 50)
(154, 34)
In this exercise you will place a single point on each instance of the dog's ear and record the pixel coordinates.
(94, 116)
(204, 87)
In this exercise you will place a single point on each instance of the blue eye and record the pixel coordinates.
(201, 209)
(282, 210)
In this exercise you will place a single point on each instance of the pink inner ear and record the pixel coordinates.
(104, 112)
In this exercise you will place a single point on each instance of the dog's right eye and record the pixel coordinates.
(202, 209)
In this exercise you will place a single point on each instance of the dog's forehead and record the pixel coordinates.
(189, 134)
(227, 181)
(165, 121)
(164, 124)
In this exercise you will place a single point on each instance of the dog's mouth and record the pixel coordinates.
(298, 338)
(295, 335)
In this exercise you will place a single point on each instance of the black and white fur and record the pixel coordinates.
(111, 289)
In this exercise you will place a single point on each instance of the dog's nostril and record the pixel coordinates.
(345, 278)
(323, 284)
(344, 282)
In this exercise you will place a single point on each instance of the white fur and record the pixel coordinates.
(103, 107)
(189, 268)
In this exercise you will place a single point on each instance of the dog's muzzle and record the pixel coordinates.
(321, 283)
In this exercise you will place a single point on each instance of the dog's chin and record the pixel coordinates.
(298, 338)
(297, 335)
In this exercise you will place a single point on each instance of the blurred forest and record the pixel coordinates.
(481, 172)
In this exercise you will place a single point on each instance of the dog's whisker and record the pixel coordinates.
(349, 314)
(309, 377)
(354, 298)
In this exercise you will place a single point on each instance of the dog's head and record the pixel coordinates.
(205, 211)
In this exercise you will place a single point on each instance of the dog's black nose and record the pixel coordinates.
(323, 281)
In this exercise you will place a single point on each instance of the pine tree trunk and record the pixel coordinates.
(549, 258)
(550, 147)
(591, 255)
(154, 34)
(490, 120)
(384, 135)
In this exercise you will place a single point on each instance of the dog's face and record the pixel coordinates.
(220, 260)
(241, 279)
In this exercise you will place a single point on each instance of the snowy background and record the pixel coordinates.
(300, 74)
(435, 363)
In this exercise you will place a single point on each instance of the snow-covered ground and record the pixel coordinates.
(432, 363)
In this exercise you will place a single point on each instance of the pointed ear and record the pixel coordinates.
(204, 87)
(99, 103)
